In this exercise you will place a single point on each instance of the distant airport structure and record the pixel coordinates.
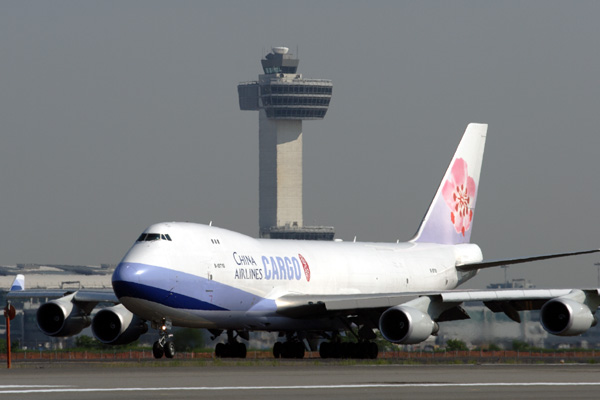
(284, 99)
(67, 278)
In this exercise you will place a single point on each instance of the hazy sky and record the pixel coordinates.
(118, 114)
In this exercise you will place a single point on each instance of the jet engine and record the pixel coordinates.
(62, 317)
(117, 325)
(566, 317)
(406, 325)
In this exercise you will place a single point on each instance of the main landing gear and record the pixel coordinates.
(293, 347)
(359, 350)
(164, 346)
(233, 348)
(362, 348)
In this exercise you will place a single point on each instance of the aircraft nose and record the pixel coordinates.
(126, 278)
(127, 272)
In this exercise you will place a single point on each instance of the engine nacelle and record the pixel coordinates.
(117, 325)
(406, 325)
(566, 317)
(62, 317)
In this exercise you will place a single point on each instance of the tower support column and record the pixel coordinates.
(280, 175)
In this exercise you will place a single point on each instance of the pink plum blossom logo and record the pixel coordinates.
(306, 267)
(459, 194)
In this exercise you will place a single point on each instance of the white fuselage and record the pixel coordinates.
(215, 278)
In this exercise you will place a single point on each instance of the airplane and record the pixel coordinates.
(200, 276)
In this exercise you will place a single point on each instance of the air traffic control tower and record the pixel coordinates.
(283, 99)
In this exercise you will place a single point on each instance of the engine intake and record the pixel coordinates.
(566, 317)
(406, 325)
(62, 317)
(117, 325)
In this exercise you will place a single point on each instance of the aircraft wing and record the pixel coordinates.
(102, 296)
(506, 300)
(81, 295)
(295, 305)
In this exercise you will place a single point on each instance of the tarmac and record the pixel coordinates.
(296, 380)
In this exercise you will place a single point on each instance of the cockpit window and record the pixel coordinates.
(150, 237)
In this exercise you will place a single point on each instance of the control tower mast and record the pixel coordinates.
(283, 99)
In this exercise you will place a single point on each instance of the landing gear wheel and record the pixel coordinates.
(220, 350)
(325, 350)
(240, 350)
(158, 350)
(361, 350)
(347, 349)
(170, 350)
(297, 350)
(290, 349)
(277, 349)
(230, 350)
(373, 350)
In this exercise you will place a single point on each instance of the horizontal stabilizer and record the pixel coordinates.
(510, 261)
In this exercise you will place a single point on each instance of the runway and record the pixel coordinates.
(270, 380)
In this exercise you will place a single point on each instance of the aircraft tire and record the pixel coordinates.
(347, 350)
(157, 350)
(299, 350)
(240, 350)
(277, 349)
(373, 350)
(220, 350)
(170, 350)
(336, 350)
(325, 350)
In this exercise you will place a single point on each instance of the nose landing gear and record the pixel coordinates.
(164, 346)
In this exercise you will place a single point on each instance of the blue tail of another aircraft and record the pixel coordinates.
(18, 284)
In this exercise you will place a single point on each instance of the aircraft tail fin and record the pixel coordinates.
(449, 219)
(18, 284)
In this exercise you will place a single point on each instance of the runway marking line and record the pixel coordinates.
(41, 389)
(33, 386)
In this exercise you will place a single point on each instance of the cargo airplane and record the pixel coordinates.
(311, 292)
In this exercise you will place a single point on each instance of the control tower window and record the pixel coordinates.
(273, 70)
(296, 89)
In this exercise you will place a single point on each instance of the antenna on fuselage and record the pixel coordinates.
(210, 223)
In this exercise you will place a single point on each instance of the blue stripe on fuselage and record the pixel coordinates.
(181, 290)
(165, 297)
